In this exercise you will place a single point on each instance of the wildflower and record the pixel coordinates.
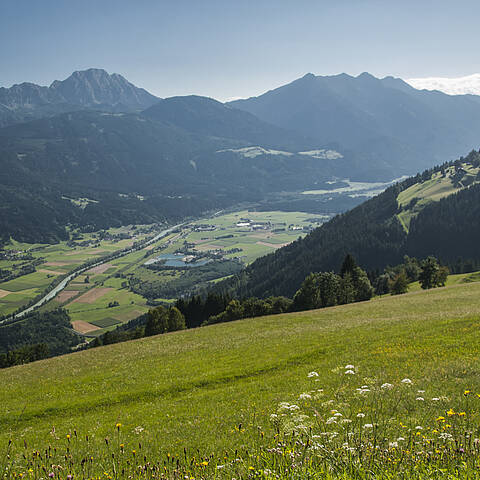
(368, 425)
(312, 374)
(420, 399)
(305, 396)
(118, 425)
(420, 391)
(331, 420)
(360, 415)
(440, 419)
(450, 413)
(418, 427)
(349, 372)
(273, 416)
(466, 392)
(349, 367)
(400, 439)
(51, 474)
(407, 381)
(204, 463)
(435, 399)
(461, 414)
(362, 390)
(393, 444)
(387, 386)
(138, 430)
(68, 436)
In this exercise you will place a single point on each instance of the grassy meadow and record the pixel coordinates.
(433, 190)
(227, 396)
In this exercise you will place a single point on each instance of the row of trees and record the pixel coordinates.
(26, 354)
(326, 289)
(156, 321)
(428, 272)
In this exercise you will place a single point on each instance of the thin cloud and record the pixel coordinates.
(453, 86)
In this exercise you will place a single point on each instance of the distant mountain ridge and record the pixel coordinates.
(207, 116)
(393, 126)
(92, 88)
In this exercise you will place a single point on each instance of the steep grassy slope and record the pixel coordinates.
(193, 388)
(442, 184)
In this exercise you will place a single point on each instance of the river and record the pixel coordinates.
(53, 293)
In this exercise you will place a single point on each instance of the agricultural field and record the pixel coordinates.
(103, 297)
(218, 247)
(110, 284)
(265, 232)
(52, 261)
(401, 371)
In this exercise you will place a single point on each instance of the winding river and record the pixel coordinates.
(53, 293)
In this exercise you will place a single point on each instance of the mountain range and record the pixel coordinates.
(396, 129)
(133, 157)
(92, 88)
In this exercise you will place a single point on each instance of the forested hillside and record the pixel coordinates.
(448, 228)
(130, 168)
(396, 128)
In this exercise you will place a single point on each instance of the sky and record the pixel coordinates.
(229, 49)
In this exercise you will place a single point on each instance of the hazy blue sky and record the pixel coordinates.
(238, 48)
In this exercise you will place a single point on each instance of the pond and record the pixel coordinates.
(176, 260)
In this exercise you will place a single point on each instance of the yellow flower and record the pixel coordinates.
(204, 463)
(251, 468)
(440, 419)
(461, 414)
(450, 413)
(118, 425)
(68, 436)
(466, 392)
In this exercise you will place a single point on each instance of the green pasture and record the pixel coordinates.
(432, 190)
(192, 389)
